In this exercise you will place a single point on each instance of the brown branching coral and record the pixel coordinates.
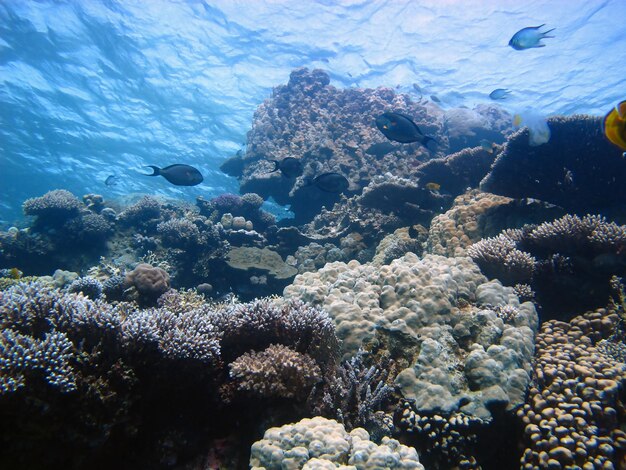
(277, 371)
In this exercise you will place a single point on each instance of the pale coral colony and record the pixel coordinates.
(444, 311)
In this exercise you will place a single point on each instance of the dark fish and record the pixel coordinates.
(178, 174)
(112, 180)
(401, 128)
(499, 94)
(289, 166)
(381, 149)
(331, 182)
(435, 99)
(527, 38)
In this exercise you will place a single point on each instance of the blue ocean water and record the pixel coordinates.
(94, 88)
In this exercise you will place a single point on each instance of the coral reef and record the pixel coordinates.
(457, 172)
(444, 441)
(322, 443)
(575, 406)
(579, 178)
(468, 127)
(144, 212)
(475, 215)
(357, 395)
(277, 371)
(568, 262)
(100, 371)
(53, 208)
(439, 319)
(327, 129)
(88, 286)
(247, 206)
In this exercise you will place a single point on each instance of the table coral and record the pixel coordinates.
(54, 207)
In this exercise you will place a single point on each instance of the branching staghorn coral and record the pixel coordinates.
(354, 394)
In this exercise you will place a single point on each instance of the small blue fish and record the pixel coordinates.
(499, 94)
(112, 180)
(527, 38)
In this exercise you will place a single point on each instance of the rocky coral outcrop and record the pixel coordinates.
(327, 129)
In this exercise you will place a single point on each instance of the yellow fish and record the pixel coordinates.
(614, 125)
(433, 186)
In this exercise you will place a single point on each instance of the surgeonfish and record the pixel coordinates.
(178, 174)
(331, 182)
(290, 167)
(527, 38)
(538, 129)
(401, 128)
(381, 149)
(499, 94)
(614, 125)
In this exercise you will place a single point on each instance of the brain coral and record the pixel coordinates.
(149, 281)
(320, 443)
(473, 340)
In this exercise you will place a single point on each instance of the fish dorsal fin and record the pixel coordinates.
(620, 108)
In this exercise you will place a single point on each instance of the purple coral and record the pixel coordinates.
(568, 262)
(184, 336)
(23, 358)
(498, 257)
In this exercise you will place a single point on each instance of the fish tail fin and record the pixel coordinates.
(428, 141)
(545, 34)
(156, 171)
